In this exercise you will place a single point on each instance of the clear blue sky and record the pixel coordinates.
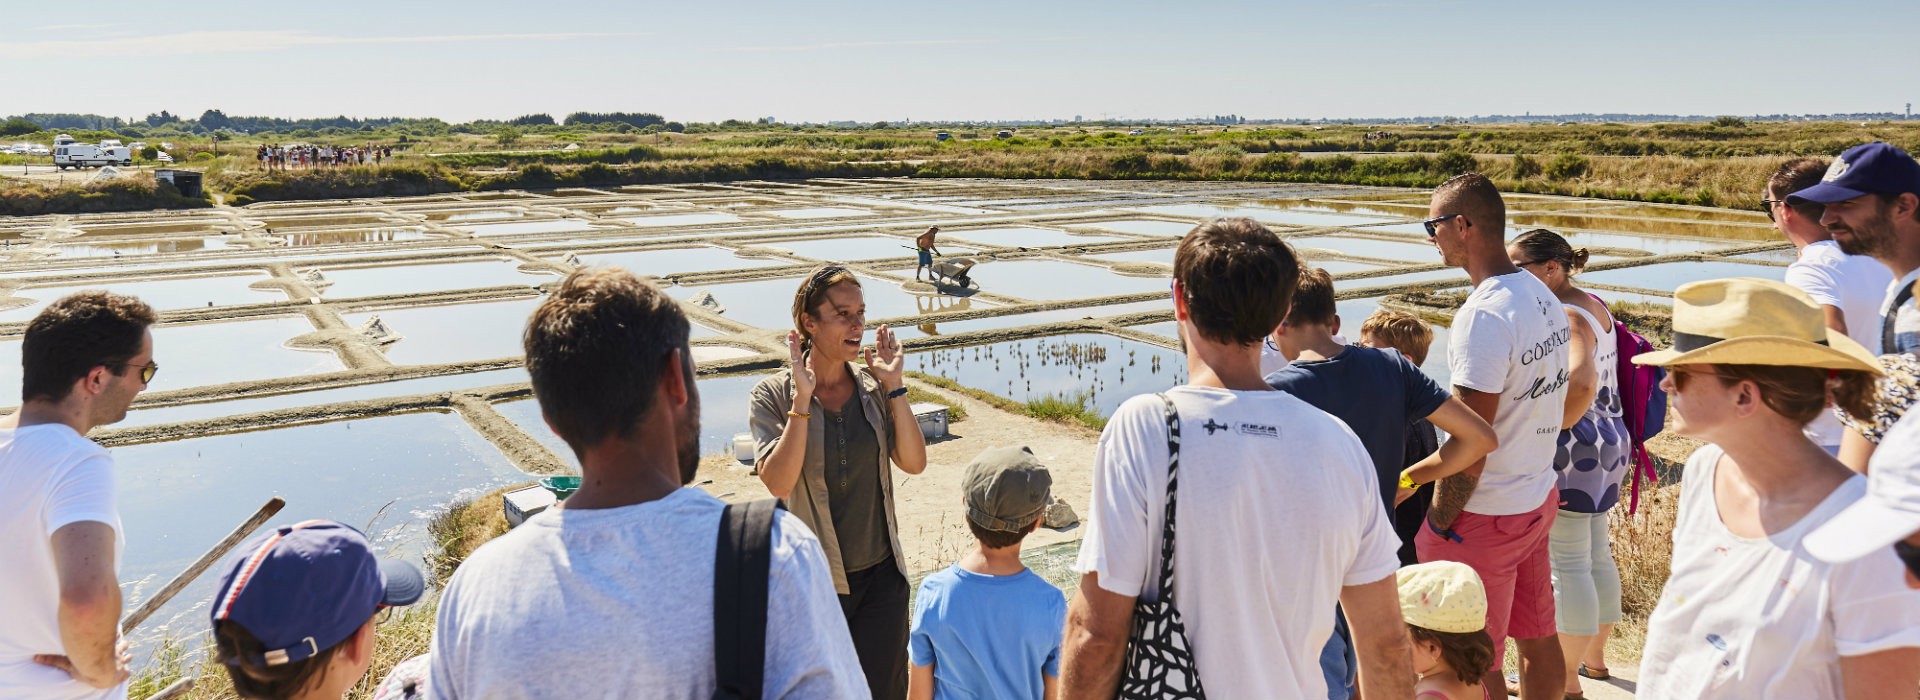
(987, 59)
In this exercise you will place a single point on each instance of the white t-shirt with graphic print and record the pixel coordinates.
(1278, 510)
(1511, 338)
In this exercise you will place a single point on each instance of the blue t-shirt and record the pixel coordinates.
(1378, 393)
(987, 636)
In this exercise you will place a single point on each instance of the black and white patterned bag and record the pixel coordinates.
(1159, 660)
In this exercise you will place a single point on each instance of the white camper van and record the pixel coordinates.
(79, 155)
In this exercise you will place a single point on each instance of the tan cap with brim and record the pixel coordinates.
(1752, 321)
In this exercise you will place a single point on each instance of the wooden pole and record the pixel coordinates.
(179, 688)
(167, 592)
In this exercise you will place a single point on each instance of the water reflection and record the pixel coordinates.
(1105, 369)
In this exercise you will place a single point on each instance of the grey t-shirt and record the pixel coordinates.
(618, 603)
(853, 486)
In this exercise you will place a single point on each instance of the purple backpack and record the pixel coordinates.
(1643, 405)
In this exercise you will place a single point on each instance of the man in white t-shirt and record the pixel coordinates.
(1278, 509)
(1849, 288)
(83, 360)
(1871, 204)
(1509, 359)
(611, 595)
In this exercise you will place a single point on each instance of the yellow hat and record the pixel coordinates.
(1443, 596)
(1749, 321)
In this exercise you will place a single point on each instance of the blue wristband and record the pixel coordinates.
(1445, 534)
(897, 393)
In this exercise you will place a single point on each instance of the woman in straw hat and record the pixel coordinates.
(1748, 613)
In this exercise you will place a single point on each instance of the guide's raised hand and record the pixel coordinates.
(802, 371)
(886, 360)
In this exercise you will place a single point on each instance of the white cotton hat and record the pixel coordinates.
(1891, 509)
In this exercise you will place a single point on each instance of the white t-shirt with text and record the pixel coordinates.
(1748, 618)
(1511, 338)
(50, 477)
(618, 603)
(1278, 510)
(1857, 286)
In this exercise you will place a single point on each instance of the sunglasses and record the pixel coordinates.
(1809, 210)
(1910, 555)
(146, 371)
(1433, 225)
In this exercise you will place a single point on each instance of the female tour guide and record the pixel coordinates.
(825, 431)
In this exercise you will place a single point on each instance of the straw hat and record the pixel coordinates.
(1443, 596)
(1749, 321)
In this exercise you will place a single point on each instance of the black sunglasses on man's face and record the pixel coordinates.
(1433, 224)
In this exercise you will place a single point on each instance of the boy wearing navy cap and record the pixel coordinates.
(1872, 199)
(988, 627)
(293, 617)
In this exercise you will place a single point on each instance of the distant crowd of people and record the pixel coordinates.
(1325, 540)
(309, 156)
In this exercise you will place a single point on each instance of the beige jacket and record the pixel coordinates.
(769, 403)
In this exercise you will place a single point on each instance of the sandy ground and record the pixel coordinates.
(932, 528)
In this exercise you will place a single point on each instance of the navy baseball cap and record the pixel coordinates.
(307, 587)
(1874, 168)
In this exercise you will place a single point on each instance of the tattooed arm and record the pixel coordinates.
(1451, 495)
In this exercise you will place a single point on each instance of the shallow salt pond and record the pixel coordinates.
(724, 407)
(1262, 214)
(378, 390)
(386, 475)
(527, 227)
(1669, 276)
(749, 302)
(454, 332)
(698, 219)
(1107, 369)
(351, 282)
(161, 294)
(859, 247)
(1051, 280)
(922, 330)
(1409, 250)
(1022, 236)
(1150, 227)
(818, 213)
(660, 263)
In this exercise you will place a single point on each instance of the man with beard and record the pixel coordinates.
(612, 593)
(1872, 199)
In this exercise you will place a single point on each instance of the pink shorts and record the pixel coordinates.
(1510, 554)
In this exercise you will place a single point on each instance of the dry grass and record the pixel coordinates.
(1643, 549)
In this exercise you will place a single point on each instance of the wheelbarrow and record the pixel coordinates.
(953, 271)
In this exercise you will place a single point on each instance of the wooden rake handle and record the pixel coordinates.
(193, 571)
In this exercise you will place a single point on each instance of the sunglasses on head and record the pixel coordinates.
(146, 371)
(1433, 225)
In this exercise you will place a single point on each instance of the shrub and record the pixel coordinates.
(1566, 166)
(1525, 167)
(1455, 162)
(18, 127)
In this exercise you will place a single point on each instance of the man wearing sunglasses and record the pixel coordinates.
(84, 359)
(1509, 358)
(1849, 288)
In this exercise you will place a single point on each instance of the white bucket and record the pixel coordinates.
(743, 447)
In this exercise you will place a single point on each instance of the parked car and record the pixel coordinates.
(40, 150)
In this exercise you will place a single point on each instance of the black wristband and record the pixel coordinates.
(897, 393)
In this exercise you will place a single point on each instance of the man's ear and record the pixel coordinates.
(673, 377)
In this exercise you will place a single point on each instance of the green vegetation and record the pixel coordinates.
(127, 193)
(1717, 163)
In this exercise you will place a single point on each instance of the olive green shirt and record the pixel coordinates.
(853, 465)
(811, 499)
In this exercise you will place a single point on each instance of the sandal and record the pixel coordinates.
(1598, 675)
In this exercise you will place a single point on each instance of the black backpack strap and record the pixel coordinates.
(741, 563)
(1887, 322)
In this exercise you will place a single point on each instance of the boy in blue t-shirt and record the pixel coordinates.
(1379, 394)
(987, 627)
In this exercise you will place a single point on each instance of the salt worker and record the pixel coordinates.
(825, 431)
(923, 244)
